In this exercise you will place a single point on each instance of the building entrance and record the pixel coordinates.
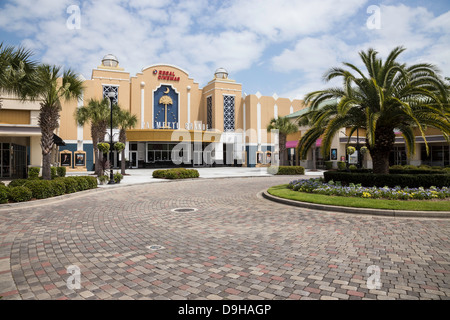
(13, 161)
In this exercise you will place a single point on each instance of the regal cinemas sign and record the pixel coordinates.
(166, 75)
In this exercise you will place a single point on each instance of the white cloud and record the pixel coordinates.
(286, 19)
(425, 36)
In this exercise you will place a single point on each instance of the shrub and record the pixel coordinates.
(351, 150)
(119, 146)
(41, 189)
(33, 172)
(71, 184)
(58, 186)
(329, 165)
(416, 171)
(286, 170)
(390, 180)
(61, 171)
(82, 183)
(396, 167)
(181, 173)
(2, 183)
(103, 147)
(17, 183)
(4, 194)
(53, 173)
(352, 167)
(409, 167)
(447, 170)
(342, 165)
(92, 181)
(118, 177)
(20, 194)
(104, 178)
(159, 174)
(176, 173)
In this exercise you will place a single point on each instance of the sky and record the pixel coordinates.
(280, 47)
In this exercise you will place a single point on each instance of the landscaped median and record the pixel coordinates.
(176, 173)
(356, 203)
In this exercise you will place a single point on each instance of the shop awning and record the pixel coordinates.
(58, 141)
(319, 142)
(291, 144)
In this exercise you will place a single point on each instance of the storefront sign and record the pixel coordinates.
(166, 75)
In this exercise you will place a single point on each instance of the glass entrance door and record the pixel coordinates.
(5, 160)
(134, 159)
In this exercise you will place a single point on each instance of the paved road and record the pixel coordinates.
(236, 245)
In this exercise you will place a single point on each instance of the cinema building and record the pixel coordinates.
(218, 124)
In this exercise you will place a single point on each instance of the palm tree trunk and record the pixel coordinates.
(47, 144)
(122, 163)
(48, 122)
(385, 138)
(282, 140)
(97, 166)
(123, 139)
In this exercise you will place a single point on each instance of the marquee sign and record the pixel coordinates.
(166, 75)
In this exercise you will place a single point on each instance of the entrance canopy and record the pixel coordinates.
(291, 144)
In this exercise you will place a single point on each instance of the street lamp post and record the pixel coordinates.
(111, 96)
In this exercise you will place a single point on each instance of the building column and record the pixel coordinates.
(142, 104)
(188, 105)
(35, 151)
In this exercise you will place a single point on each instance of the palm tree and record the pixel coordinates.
(284, 127)
(125, 121)
(53, 86)
(17, 72)
(97, 113)
(390, 96)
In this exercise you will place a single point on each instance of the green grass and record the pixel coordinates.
(282, 191)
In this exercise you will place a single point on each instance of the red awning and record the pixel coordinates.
(291, 144)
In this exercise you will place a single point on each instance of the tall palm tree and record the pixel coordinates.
(97, 113)
(125, 121)
(17, 72)
(388, 96)
(284, 127)
(53, 86)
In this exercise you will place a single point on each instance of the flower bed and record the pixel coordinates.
(318, 186)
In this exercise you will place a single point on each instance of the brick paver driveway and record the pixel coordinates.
(236, 245)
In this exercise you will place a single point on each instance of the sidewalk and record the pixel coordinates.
(137, 176)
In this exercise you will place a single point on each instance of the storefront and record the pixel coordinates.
(217, 125)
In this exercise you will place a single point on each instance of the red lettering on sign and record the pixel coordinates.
(167, 75)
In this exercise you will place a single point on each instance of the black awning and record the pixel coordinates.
(58, 141)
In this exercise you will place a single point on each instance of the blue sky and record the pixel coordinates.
(270, 46)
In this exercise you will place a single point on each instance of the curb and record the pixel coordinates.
(353, 210)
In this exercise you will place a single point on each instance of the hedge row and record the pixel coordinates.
(176, 173)
(26, 189)
(286, 170)
(390, 180)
